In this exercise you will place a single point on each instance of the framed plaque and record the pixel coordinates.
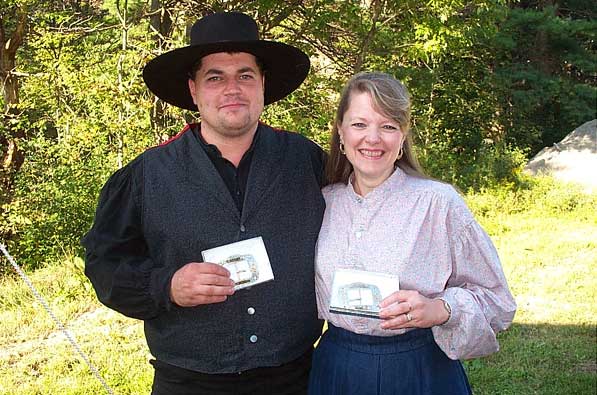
(246, 260)
(359, 292)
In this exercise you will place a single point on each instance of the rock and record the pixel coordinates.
(574, 159)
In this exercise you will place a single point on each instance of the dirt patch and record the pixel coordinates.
(587, 367)
(98, 321)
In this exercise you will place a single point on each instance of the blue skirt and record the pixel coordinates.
(345, 363)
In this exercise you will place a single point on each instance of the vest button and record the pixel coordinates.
(242, 228)
(253, 338)
(251, 311)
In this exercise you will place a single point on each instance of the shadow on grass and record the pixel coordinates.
(539, 359)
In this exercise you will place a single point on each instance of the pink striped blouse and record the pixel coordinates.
(422, 231)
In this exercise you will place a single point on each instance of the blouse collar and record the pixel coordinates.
(379, 193)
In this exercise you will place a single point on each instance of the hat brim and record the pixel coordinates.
(285, 67)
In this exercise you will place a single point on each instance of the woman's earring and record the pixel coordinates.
(342, 147)
(400, 152)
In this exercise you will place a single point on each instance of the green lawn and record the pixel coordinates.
(547, 240)
(551, 265)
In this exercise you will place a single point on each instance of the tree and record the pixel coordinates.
(160, 29)
(482, 92)
(546, 69)
(85, 109)
(13, 27)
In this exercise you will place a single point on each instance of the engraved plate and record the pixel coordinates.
(246, 260)
(359, 292)
(243, 268)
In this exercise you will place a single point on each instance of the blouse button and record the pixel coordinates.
(358, 234)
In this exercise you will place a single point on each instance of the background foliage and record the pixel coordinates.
(492, 82)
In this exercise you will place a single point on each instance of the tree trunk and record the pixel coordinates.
(161, 29)
(10, 132)
(376, 7)
(542, 55)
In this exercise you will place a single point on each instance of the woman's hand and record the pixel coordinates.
(410, 309)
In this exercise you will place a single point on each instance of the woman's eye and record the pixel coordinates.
(358, 125)
(389, 128)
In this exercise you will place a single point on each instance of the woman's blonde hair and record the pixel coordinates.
(391, 99)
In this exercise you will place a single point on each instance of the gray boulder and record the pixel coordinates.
(574, 159)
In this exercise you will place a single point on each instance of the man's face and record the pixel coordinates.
(228, 91)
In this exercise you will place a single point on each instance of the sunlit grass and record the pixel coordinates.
(549, 253)
(36, 357)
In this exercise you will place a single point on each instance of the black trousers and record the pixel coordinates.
(288, 379)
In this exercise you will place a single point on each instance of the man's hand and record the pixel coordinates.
(200, 283)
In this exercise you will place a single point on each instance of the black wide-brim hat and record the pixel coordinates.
(285, 66)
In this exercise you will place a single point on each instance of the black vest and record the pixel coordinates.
(186, 208)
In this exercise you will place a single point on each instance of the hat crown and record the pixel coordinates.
(222, 27)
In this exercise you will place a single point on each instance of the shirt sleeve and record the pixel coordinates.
(117, 260)
(477, 293)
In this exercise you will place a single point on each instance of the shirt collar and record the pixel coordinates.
(214, 152)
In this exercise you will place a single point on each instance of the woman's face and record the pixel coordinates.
(371, 141)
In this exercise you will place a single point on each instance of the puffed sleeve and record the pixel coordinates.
(117, 261)
(477, 293)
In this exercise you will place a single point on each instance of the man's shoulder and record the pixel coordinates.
(294, 139)
(185, 133)
(172, 143)
(281, 133)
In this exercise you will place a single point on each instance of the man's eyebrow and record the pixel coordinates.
(246, 69)
(239, 71)
(214, 71)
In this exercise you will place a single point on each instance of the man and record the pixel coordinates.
(227, 179)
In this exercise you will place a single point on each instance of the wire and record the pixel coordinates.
(58, 323)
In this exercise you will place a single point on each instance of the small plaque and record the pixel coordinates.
(359, 292)
(246, 260)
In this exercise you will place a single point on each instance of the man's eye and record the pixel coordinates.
(246, 77)
(214, 78)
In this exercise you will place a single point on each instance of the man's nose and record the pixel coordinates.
(232, 86)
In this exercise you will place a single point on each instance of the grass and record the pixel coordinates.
(545, 234)
(547, 243)
(36, 358)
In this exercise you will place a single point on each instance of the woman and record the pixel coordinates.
(383, 215)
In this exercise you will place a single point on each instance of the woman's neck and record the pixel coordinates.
(363, 185)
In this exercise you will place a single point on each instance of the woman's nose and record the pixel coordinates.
(373, 135)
